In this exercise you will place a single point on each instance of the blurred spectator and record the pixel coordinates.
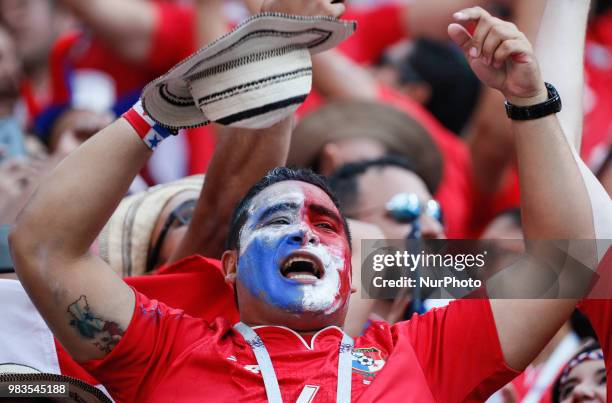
(147, 227)
(99, 71)
(22, 162)
(34, 25)
(436, 75)
(583, 378)
(387, 192)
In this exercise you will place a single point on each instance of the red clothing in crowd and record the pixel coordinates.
(166, 354)
(597, 133)
(87, 74)
(377, 28)
(598, 308)
(466, 210)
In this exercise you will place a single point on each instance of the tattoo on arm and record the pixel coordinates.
(104, 334)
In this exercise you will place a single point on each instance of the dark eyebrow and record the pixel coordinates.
(288, 206)
(319, 209)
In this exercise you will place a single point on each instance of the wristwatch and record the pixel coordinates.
(552, 105)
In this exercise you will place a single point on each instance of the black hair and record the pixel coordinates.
(454, 87)
(556, 390)
(276, 175)
(601, 6)
(344, 180)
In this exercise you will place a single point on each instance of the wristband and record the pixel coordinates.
(151, 132)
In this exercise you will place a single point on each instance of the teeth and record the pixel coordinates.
(302, 276)
(298, 259)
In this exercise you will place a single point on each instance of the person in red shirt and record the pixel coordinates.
(101, 70)
(289, 257)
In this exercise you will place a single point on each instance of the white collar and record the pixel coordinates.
(299, 336)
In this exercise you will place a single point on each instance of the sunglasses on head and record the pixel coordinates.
(182, 215)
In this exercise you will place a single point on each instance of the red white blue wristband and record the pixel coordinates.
(148, 130)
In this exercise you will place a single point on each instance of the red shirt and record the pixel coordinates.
(87, 74)
(180, 284)
(597, 133)
(377, 28)
(166, 355)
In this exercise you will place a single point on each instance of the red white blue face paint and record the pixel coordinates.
(294, 253)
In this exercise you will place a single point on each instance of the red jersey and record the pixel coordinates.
(88, 74)
(378, 28)
(166, 355)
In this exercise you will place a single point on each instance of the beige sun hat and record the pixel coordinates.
(125, 240)
(396, 130)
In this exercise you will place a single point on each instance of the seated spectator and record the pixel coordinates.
(146, 227)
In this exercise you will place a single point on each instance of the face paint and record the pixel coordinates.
(284, 228)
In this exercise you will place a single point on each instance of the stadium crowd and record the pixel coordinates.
(186, 225)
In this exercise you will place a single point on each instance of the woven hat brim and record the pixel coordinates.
(396, 130)
(168, 100)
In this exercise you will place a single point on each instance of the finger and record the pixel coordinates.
(470, 13)
(480, 35)
(499, 32)
(510, 50)
(336, 9)
(460, 36)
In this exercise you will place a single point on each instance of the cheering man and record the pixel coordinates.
(289, 257)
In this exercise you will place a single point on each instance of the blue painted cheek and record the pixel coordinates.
(258, 271)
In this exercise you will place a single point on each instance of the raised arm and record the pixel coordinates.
(489, 136)
(555, 201)
(241, 158)
(561, 38)
(82, 300)
(127, 26)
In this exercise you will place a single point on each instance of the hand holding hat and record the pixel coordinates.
(328, 8)
(254, 76)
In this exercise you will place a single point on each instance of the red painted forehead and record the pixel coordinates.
(316, 195)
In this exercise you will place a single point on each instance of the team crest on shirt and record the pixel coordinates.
(367, 361)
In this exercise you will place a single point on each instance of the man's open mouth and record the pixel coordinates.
(303, 267)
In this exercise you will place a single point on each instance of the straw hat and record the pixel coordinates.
(340, 120)
(252, 77)
(125, 240)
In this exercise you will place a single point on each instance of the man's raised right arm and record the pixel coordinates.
(86, 305)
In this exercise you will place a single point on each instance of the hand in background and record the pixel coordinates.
(328, 8)
(500, 55)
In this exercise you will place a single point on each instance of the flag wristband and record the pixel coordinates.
(151, 132)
